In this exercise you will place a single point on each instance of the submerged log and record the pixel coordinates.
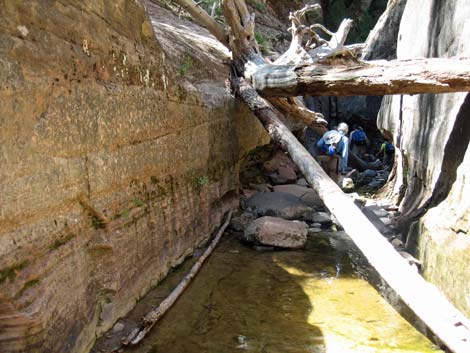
(354, 78)
(151, 318)
(428, 303)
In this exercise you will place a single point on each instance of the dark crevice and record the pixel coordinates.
(454, 153)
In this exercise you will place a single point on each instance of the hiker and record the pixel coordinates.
(358, 141)
(333, 151)
(387, 151)
(343, 146)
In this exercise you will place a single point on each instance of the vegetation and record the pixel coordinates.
(256, 4)
(9, 273)
(264, 44)
(185, 66)
(61, 241)
(364, 21)
(27, 285)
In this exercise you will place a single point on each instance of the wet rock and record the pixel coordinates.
(240, 221)
(385, 220)
(314, 230)
(369, 173)
(307, 195)
(397, 243)
(302, 182)
(261, 187)
(118, 327)
(321, 217)
(279, 204)
(280, 169)
(278, 232)
(347, 184)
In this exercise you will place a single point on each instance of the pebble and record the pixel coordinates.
(314, 230)
(118, 327)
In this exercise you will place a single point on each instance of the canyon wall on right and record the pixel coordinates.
(432, 133)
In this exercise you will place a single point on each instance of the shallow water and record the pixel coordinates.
(315, 300)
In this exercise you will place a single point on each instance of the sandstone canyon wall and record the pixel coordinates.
(118, 156)
(433, 133)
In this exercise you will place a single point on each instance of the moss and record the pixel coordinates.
(62, 241)
(202, 180)
(9, 273)
(27, 285)
(264, 43)
(125, 213)
(97, 223)
(138, 202)
(185, 66)
(256, 4)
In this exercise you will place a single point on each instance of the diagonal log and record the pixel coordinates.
(437, 75)
(423, 298)
(451, 326)
(151, 318)
(205, 20)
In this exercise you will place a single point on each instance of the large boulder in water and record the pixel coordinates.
(306, 194)
(279, 204)
(278, 232)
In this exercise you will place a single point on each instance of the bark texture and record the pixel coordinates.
(364, 78)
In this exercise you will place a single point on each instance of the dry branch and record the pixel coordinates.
(205, 20)
(153, 316)
(364, 78)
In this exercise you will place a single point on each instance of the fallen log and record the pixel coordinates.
(151, 318)
(366, 78)
(428, 303)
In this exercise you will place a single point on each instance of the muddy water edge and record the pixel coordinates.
(322, 299)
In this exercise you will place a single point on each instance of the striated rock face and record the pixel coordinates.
(117, 158)
(426, 126)
(433, 134)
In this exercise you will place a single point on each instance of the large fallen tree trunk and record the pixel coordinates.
(374, 78)
(424, 299)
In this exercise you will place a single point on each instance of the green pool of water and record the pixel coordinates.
(315, 300)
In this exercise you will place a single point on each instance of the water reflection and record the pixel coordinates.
(313, 301)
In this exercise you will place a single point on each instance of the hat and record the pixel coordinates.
(331, 137)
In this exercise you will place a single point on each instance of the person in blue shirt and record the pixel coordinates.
(334, 151)
(358, 141)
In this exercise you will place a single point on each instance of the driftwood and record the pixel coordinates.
(424, 299)
(364, 78)
(151, 318)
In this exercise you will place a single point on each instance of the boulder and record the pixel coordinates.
(347, 184)
(240, 221)
(278, 232)
(321, 217)
(279, 204)
(302, 182)
(281, 169)
(307, 195)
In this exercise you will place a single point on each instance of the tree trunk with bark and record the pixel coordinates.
(366, 78)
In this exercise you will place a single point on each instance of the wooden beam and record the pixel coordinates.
(367, 78)
(452, 327)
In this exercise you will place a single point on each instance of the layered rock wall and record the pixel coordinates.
(116, 160)
(432, 133)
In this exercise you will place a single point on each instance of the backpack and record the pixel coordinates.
(389, 148)
(359, 137)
